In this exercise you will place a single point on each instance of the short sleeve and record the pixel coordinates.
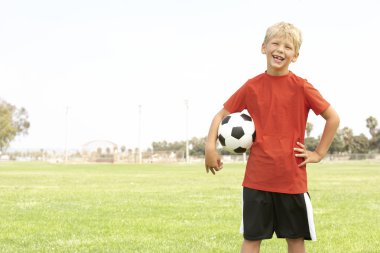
(314, 99)
(237, 102)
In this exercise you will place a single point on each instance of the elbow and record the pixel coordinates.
(332, 117)
(338, 121)
(335, 121)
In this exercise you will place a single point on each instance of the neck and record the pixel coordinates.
(275, 72)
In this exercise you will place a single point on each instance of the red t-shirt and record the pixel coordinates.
(279, 106)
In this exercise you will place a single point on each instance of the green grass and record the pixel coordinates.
(171, 208)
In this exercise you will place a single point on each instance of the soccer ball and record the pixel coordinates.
(236, 132)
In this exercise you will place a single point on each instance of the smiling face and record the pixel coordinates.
(280, 52)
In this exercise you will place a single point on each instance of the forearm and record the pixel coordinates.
(213, 132)
(213, 162)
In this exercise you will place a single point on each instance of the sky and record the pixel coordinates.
(135, 72)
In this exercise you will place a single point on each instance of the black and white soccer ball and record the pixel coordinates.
(236, 132)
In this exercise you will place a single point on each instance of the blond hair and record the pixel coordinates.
(285, 29)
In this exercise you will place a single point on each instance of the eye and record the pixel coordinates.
(289, 47)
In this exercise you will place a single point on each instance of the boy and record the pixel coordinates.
(275, 197)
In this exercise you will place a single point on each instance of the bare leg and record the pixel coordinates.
(250, 246)
(296, 245)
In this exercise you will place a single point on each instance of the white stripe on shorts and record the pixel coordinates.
(310, 218)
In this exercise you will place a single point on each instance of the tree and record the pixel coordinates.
(122, 151)
(309, 128)
(167, 147)
(347, 138)
(311, 143)
(13, 121)
(160, 146)
(359, 147)
(360, 144)
(374, 142)
(198, 146)
(337, 144)
(372, 124)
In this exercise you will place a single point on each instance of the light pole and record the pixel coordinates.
(139, 135)
(187, 130)
(66, 131)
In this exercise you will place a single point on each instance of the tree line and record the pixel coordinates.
(344, 142)
(14, 121)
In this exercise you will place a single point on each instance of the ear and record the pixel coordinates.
(295, 57)
(263, 49)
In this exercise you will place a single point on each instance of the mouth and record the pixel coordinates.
(278, 58)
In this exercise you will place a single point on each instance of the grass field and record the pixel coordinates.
(171, 208)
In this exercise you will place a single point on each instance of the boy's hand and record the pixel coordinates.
(212, 161)
(308, 156)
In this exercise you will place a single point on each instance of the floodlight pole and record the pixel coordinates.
(187, 130)
(66, 131)
(139, 135)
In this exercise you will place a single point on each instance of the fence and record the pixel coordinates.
(153, 157)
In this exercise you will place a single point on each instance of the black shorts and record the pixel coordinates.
(288, 215)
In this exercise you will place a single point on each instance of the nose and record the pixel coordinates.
(280, 48)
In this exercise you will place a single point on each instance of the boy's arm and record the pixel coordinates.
(331, 126)
(212, 159)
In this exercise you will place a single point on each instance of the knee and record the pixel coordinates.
(250, 246)
(296, 245)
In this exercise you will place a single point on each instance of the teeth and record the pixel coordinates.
(278, 57)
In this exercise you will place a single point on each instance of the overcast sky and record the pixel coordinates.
(99, 60)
